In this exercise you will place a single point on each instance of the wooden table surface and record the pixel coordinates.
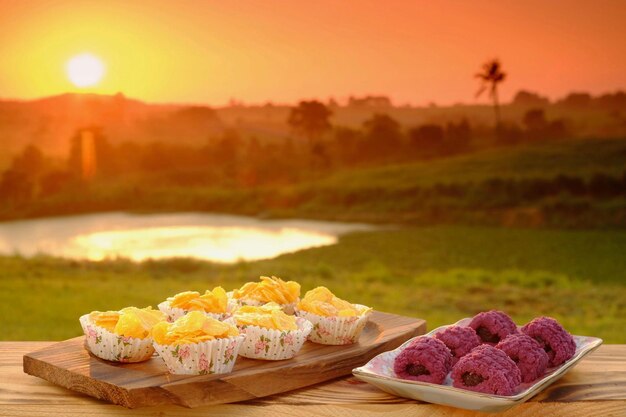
(594, 387)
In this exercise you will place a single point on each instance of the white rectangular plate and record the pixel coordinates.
(379, 372)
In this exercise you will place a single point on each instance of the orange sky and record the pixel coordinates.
(211, 51)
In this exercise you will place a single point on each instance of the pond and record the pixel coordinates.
(213, 237)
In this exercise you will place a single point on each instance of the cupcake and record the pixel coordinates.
(196, 344)
(459, 339)
(212, 303)
(526, 352)
(121, 336)
(335, 321)
(553, 338)
(492, 326)
(488, 370)
(268, 290)
(271, 334)
(425, 359)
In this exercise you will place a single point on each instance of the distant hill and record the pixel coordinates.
(50, 122)
(579, 158)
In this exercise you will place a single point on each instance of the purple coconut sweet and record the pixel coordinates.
(488, 370)
(425, 359)
(527, 353)
(553, 338)
(492, 326)
(459, 339)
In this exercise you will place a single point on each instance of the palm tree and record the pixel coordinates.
(490, 76)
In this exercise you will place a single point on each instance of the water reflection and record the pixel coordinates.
(218, 238)
(221, 244)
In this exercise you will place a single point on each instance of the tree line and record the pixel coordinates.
(315, 148)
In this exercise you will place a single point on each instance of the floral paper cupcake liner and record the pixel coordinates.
(335, 330)
(272, 344)
(216, 356)
(174, 313)
(113, 347)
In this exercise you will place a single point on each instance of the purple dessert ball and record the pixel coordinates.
(488, 370)
(526, 352)
(492, 326)
(553, 338)
(459, 339)
(425, 359)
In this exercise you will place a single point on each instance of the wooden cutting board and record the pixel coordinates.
(70, 365)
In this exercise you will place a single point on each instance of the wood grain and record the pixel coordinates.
(532, 409)
(24, 395)
(69, 365)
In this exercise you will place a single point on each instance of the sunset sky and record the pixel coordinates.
(212, 51)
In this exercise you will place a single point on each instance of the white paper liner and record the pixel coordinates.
(174, 313)
(335, 330)
(240, 302)
(272, 344)
(113, 347)
(211, 357)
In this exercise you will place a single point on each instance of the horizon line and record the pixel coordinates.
(342, 101)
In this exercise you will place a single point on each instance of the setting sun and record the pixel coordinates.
(85, 70)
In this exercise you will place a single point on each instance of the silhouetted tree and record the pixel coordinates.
(320, 158)
(538, 128)
(278, 167)
(200, 116)
(253, 157)
(457, 137)
(557, 129)
(188, 125)
(226, 151)
(159, 156)
(376, 102)
(530, 99)
(605, 186)
(128, 155)
(311, 119)
(490, 76)
(612, 101)
(289, 151)
(227, 147)
(55, 181)
(31, 162)
(576, 100)
(570, 184)
(427, 139)
(253, 150)
(382, 136)
(509, 134)
(346, 142)
(535, 120)
(332, 103)
(16, 187)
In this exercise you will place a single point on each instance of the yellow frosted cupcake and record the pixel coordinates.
(269, 290)
(271, 334)
(335, 321)
(212, 303)
(196, 344)
(121, 336)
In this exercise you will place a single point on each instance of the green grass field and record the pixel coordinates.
(391, 194)
(580, 157)
(441, 274)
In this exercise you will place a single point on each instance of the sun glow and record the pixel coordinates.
(85, 70)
